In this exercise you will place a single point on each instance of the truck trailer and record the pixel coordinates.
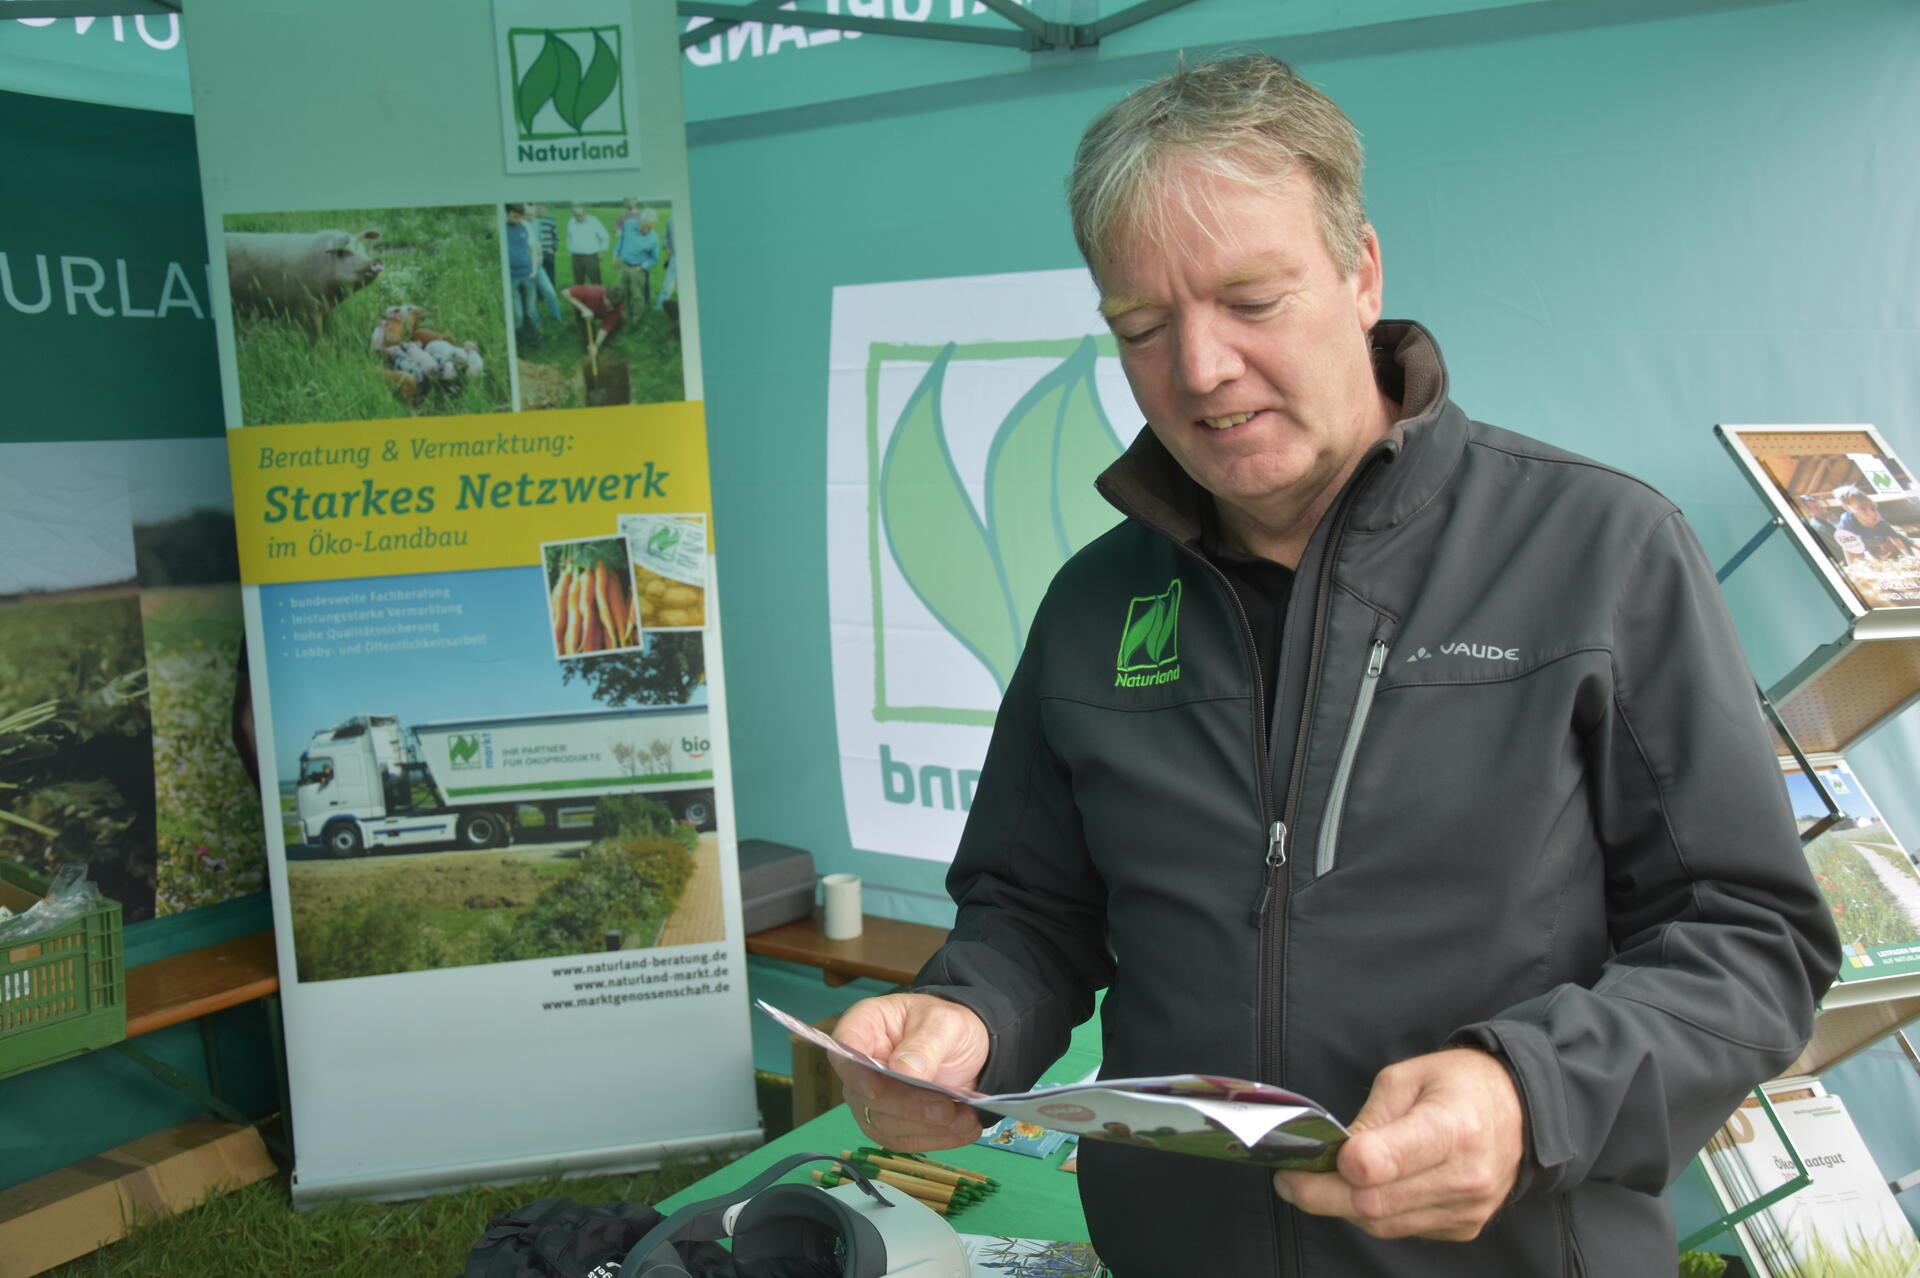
(373, 782)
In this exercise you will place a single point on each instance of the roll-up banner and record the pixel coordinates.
(453, 277)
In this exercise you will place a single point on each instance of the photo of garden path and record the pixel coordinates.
(308, 359)
(417, 911)
(1870, 885)
(700, 917)
(647, 344)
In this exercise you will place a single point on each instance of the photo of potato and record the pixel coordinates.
(666, 604)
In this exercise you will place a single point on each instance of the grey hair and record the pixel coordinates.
(1249, 118)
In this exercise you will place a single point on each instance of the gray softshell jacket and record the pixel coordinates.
(1516, 792)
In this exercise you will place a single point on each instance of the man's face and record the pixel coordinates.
(579, 214)
(514, 216)
(1245, 345)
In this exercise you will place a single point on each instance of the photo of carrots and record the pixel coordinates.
(588, 599)
(666, 604)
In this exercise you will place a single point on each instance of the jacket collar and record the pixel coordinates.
(1147, 484)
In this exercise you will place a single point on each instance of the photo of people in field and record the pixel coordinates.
(595, 302)
(362, 314)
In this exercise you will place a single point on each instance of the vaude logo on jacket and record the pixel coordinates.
(1481, 651)
(563, 87)
(967, 419)
(1150, 640)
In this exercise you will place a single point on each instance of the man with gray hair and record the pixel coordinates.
(1433, 787)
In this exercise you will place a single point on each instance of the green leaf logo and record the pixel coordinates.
(663, 540)
(1150, 637)
(556, 76)
(536, 86)
(984, 577)
(597, 85)
(462, 749)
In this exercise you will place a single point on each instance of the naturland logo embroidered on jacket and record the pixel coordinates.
(1150, 640)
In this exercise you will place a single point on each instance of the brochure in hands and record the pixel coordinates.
(1203, 1114)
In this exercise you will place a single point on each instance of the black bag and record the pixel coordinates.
(560, 1238)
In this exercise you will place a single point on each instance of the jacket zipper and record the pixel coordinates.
(1263, 762)
(1323, 860)
(1274, 883)
(1276, 886)
(1576, 1262)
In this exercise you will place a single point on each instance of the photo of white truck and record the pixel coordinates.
(374, 782)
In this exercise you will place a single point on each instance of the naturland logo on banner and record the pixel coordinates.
(564, 92)
(967, 420)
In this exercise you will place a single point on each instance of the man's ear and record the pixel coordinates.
(1369, 280)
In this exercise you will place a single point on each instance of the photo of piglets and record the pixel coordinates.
(362, 314)
(299, 275)
(418, 359)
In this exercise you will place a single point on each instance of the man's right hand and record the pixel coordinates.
(922, 1036)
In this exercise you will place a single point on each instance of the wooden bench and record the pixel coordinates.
(194, 986)
(199, 983)
(886, 950)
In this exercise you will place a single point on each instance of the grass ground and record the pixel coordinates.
(445, 260)
(649, 342)
(256, 1231)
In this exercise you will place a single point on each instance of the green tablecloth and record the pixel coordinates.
(1035, 1200)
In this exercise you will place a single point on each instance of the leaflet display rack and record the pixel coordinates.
(1821, 484)
(1853, 511)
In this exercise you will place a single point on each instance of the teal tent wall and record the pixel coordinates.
(1624, 223)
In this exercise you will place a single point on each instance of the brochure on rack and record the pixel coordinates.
(1871, 884)
(1202, 1114)
(1851, 506)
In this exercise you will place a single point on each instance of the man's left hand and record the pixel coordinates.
(1434, 1152)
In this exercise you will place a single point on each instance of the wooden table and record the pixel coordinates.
(886, 950)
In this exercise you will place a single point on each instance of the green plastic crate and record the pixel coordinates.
(61, 993)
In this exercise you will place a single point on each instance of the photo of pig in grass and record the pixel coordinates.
(362, 314)
(590, 600)
(611, 272)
